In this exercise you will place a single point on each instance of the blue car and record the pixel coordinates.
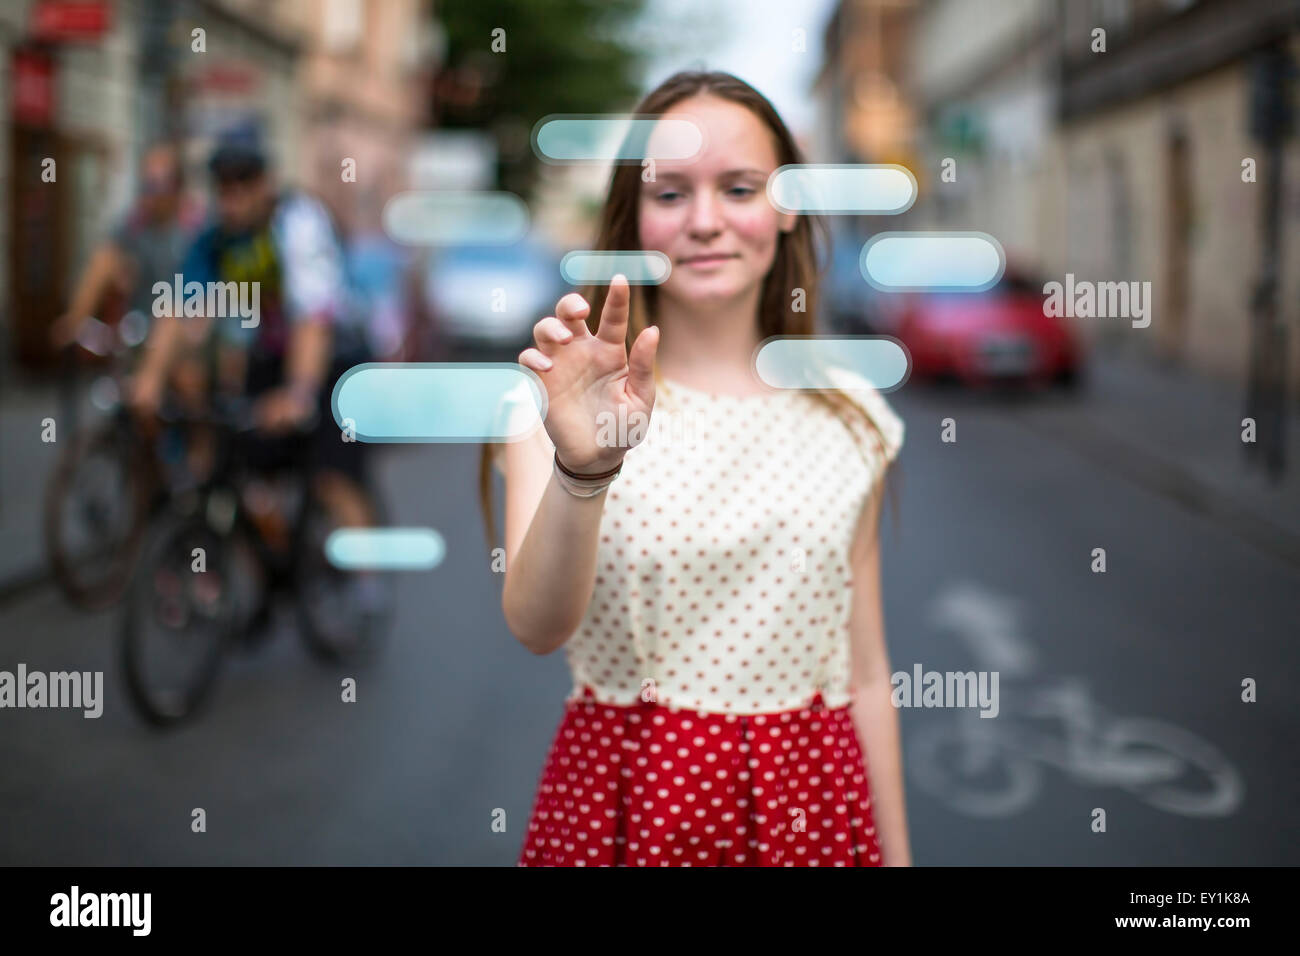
(492, 296)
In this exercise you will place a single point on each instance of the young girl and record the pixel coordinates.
(715, 577)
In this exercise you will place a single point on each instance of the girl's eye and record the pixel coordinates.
(735, 192)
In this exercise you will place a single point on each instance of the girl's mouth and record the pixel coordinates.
(710, 259)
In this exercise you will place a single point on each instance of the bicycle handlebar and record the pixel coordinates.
(228, 414)
(231, 416)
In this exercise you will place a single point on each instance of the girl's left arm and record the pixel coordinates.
(874, 716)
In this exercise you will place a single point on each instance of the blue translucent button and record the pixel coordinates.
(599, 268)
(614, 137)
(456, 218)
(385, 549)
(882, 189)
(438, 402)
(843, 362)
(932, 261)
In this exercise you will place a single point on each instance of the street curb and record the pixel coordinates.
(1168, 480)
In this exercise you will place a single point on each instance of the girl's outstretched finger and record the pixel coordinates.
(613, 318)
(535, 360)
(641, 364)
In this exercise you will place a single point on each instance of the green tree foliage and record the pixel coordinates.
(561, 56)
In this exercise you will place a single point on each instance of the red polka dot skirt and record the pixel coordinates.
(646, 785)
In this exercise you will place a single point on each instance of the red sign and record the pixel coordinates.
(227, 77)
(69, 20)
(33, 88)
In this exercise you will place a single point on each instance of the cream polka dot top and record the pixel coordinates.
(723, 580)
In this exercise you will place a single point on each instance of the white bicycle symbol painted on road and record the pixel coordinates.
(994, 767)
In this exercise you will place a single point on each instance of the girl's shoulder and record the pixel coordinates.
(868, 398)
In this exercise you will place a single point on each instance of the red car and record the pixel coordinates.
(993, 336)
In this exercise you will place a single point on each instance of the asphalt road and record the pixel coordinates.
(987, 569)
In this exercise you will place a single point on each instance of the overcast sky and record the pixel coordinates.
(753, 39)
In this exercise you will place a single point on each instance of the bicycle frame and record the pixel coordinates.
(1077, 745)
(220, 494)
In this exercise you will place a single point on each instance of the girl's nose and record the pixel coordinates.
(705, 220)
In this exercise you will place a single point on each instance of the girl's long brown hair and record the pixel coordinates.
(794, 267)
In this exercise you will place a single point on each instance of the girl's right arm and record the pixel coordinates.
(551, 539)
(552, 535)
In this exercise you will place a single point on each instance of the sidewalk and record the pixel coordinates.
(26, 463)
(1180, 434)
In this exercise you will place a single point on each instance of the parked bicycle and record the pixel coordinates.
(183, 608)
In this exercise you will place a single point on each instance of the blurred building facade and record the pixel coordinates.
(1152, 140)
(982, 77)
(91, 83)
(1119, 164)
(862, 114)
(365, 79)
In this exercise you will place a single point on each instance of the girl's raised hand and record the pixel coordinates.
(593, 383)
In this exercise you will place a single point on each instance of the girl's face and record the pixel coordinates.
(710, 215)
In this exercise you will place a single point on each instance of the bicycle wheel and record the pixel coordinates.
(96, 507)
(343, 615)
(177, 619)
(1204, 783)
(971, 772)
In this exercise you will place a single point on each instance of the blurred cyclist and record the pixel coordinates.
(288, 358)
(145, 246)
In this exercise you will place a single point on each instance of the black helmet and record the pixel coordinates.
(239, 154)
